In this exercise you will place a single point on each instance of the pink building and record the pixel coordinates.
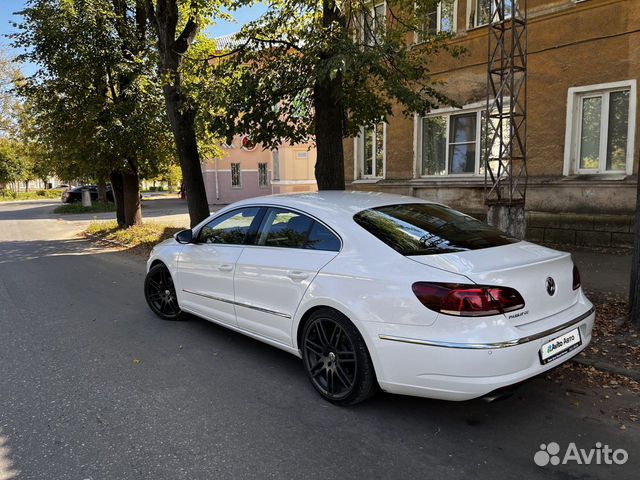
(245, 170)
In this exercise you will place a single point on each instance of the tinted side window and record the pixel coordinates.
(426, 229)
(321, 238)
(284, 228)
(230, 228)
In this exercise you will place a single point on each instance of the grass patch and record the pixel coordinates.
(9, 196)
(142, 237)
(96, 207)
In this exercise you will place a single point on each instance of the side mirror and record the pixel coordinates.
(184, 236)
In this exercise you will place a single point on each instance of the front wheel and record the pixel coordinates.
(336, 358)
(160, 293)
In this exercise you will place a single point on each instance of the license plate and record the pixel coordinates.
(560, 346)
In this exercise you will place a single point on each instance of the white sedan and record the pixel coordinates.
(374, 290)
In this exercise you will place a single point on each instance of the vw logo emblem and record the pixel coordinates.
(551, 286)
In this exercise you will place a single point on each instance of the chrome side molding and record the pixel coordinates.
(238, 304)
(489, 346)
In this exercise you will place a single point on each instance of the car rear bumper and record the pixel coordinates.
(454, 370)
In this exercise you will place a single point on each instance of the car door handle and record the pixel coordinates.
(298, 275)
(225, 268)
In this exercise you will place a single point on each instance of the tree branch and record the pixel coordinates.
(181, 45)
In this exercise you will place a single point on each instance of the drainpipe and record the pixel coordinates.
(216, 170)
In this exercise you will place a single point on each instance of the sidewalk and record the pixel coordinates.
(604, 272)
(615, 348)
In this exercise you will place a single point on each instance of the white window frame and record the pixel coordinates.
(478, 108)
(574, 122)
(239, 186)
(358, 154)
(473, 4)
(372, 12)
(454, 27)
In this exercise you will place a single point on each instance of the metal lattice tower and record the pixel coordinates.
(505, 148)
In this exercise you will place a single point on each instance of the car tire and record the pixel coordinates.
(160, 293)
(336, 358)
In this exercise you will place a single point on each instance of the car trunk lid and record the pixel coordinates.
(524, 266)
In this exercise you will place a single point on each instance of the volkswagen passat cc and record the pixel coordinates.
(374, 290)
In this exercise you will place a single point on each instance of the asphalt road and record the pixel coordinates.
(94, 386)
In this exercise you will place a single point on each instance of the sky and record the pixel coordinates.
(9, 7)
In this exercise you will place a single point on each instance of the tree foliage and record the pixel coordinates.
(12, 166)
(95, 101)
(321, 69)
(9, 77)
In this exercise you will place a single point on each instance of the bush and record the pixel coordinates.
(8, 195)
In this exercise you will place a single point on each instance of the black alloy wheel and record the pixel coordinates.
(336, 358)
(160, 293)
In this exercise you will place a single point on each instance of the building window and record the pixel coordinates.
(276, 164)
(481, 11)
(236, 178)
(263, 175)
(302, 156)
(600, 129)
(373, 22)
(450, 143)
(371, 151)
(439, 18)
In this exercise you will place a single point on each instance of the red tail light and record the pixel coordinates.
(467, 300)
(576, 278)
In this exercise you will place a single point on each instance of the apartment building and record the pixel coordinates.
(246, 170)
(583, 66)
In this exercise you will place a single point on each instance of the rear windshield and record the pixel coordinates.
(427, 229)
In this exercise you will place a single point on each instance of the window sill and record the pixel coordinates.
(367, 180)
(449, 178)
(477, 27)
(582, 177)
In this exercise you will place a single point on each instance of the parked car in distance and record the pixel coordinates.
(375, 290)
(74, 194)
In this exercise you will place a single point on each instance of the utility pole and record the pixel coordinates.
(505, 135)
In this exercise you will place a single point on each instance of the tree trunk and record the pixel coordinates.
(329, 116)
(102, 190)
(180, 108)
(634, 290)
(132, 207)
(183, 126)
(118, 196)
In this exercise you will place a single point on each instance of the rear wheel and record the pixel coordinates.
(336, 358)
(160, 293)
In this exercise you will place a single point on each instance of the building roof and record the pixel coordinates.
(228, 42)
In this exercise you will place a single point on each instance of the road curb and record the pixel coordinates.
(608, 367)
